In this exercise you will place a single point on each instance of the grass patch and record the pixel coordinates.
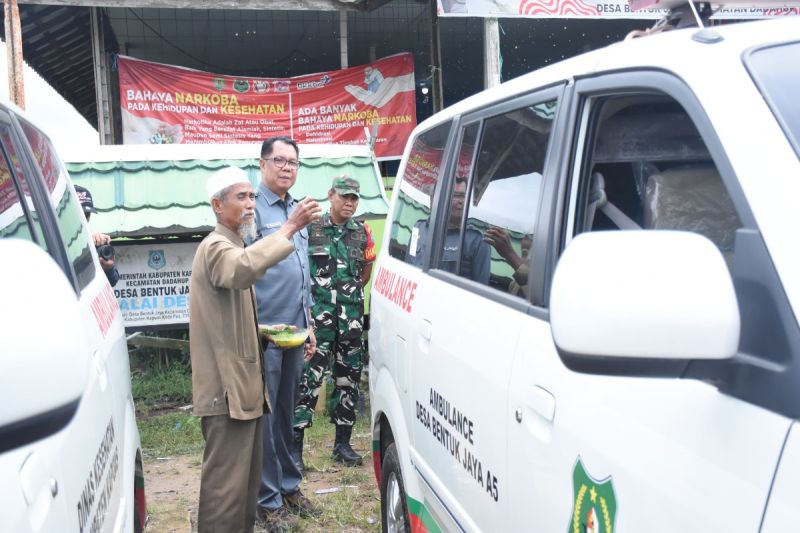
(356, 505)
(352, 509)
(170, 434)
(154, 386)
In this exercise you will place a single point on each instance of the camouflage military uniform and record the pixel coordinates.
(338, 255)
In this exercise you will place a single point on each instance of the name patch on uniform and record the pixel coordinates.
(271, 225)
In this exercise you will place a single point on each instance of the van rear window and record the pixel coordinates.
(412, 211)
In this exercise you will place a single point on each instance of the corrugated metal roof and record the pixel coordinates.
(57, 43)
(159, 191)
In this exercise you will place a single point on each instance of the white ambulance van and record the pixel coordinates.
(585, 309)
(70, 456)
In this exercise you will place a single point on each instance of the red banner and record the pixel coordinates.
(164, 104)
(422, 168)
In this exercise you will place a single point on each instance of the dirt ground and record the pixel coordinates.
(348, 496)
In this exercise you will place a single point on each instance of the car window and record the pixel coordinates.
(74, 234)
(652, 161)
(412, 209)
(649, 168)
(16, 219)
(495, 198)
(779, 85)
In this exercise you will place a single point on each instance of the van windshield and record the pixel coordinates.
(779, 84)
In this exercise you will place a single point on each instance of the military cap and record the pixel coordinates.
(346, 185)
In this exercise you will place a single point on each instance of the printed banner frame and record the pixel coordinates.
(595, 9)
(166, 104)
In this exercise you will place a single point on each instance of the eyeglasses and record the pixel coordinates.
(281, 162)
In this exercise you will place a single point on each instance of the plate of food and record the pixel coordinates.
(284, 336)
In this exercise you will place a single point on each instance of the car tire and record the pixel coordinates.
(394, 511)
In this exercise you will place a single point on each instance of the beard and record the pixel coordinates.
(247, 230)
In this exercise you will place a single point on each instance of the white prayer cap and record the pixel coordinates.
(223, 178)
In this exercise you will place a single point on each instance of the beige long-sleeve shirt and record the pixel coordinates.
(227, 370)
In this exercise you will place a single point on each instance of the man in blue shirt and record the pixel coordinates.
(283, 296)
(475, 257)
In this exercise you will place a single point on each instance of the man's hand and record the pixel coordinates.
(304, 212)
(100, 239)
(107, 264)
(499, 239)
(311, 345)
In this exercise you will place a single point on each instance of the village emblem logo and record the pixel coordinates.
(595, 506)
(157, 261)
(219, 84)
(241, 86)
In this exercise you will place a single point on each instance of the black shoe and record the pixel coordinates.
(297, 449)
(342, 452)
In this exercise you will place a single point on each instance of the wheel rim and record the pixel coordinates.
(395, 517)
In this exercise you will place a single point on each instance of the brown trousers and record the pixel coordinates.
(231, 475)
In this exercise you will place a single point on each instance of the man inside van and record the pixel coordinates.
(476, 255)
(228, 390)
(341, 252)
(283, 296)
(101, 241)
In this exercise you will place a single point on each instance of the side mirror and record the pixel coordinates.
(642, 303)
(44, 358)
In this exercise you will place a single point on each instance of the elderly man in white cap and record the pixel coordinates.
(227, 371)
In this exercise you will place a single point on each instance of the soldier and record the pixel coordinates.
(341, 252)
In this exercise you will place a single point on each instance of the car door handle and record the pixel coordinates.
(542, 402)
(426, 331)
(100, 368)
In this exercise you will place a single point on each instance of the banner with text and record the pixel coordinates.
(589, 9)
(153, 286)
(165, 104)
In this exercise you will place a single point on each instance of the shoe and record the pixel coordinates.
(279, 520)
(298, 504)
(297, 449)
(342, 452)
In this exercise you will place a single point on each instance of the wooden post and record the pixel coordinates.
(436, 61)
(16, 82)
(343, 39)
(101, 84)
(491, 53)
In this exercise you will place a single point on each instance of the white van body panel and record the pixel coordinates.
(785, 493)
(82, 476)
(651, 436)
(679, 454)
(461, 376)
(50, 330)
